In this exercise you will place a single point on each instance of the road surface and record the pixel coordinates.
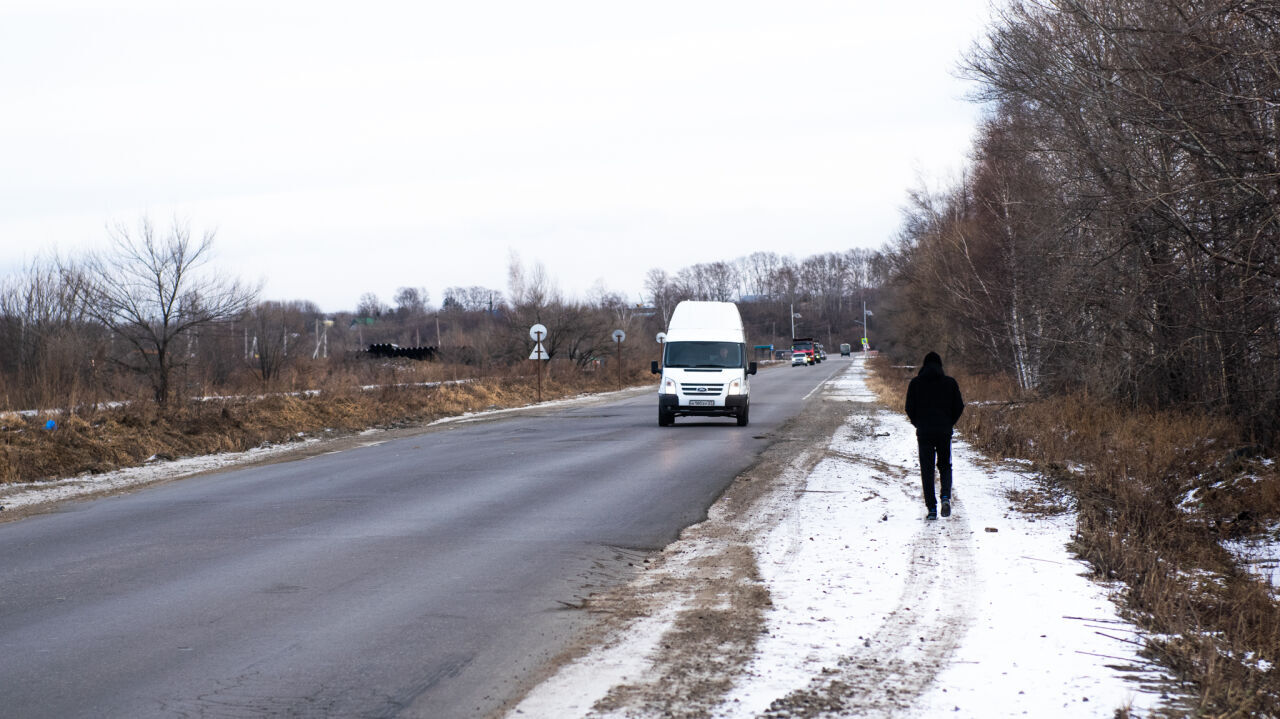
(431, 575)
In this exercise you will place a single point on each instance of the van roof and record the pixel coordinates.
(705, 321)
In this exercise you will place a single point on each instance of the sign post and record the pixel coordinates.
(536, 333)
(662, 340)
(618, 337)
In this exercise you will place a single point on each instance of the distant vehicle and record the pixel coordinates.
(704, 370)
(844, 349)
(799, 358)
(807, 346)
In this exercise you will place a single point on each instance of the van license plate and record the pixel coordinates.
(702, 403)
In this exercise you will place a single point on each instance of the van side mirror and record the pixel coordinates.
(751, 368)
(653, 367)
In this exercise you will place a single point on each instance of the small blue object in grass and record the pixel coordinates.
(50, 425)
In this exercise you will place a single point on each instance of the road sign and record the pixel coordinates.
(619, 335)
(662, 337)
(539, 353)
(537, 333)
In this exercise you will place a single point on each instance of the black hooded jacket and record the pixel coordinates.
(934, 403)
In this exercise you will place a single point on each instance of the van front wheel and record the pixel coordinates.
(743, 415)
(665, 418)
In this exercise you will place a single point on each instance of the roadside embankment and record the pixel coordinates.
(136, 433)
(1178, 509)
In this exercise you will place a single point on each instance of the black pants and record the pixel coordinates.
(935, 448)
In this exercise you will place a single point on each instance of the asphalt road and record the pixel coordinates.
(426, 576)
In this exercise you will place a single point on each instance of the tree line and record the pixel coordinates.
(150, 316)
(828, 291)
(1116, 229)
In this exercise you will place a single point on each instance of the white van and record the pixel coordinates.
(705, 371)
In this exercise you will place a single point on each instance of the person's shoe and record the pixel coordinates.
(933, 514)
(946, 508)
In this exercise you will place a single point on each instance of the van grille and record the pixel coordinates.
(702, 390)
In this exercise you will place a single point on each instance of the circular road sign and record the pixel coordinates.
(619, 335)
(537, 332)
(662, 337)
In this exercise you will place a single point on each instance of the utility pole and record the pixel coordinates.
(866, 336)
(538, 349)
(618, 337)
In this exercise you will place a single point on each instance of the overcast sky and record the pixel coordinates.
(339, 149)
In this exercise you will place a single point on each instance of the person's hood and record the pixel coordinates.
(932, 366)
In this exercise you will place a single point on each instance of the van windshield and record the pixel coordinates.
(703, 354)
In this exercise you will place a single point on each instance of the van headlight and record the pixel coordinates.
(668, 386)
(735, 387)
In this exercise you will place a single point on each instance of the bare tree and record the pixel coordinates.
(530, 287)
(664, 293)
(758, 270)
(280, 329)
(46, 345)
(1117, 228)
(371, 306)
(151, 291)
(411, 301)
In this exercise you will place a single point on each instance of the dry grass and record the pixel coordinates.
(1129, 472)
(109, 439)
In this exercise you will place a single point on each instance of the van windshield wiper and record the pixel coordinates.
(717, 366)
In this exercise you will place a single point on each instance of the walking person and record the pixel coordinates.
(934, 405)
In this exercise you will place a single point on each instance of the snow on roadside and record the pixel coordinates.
(1259, 554)
(876, 612)
(26, 494)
